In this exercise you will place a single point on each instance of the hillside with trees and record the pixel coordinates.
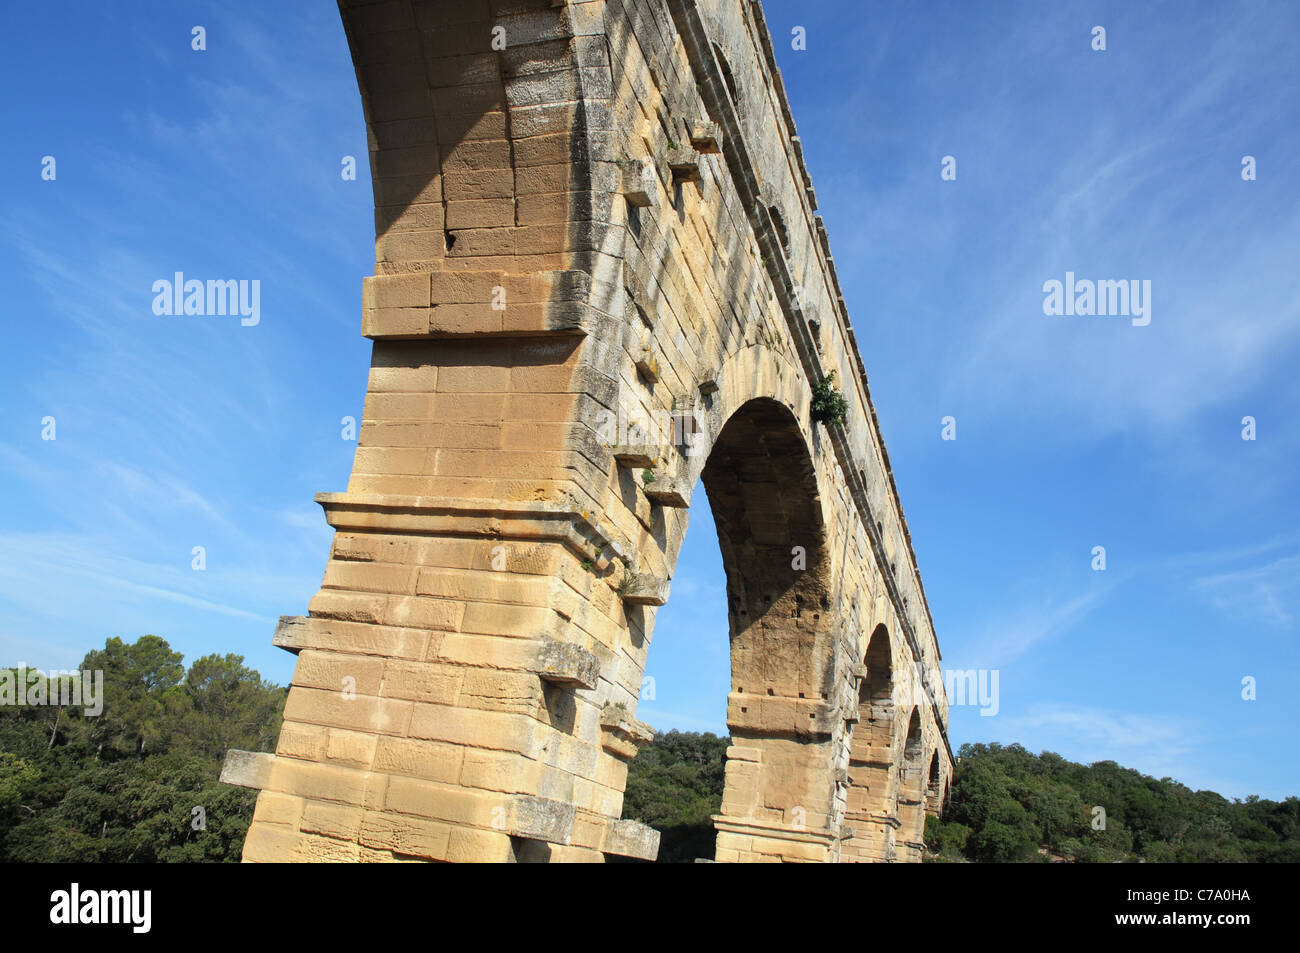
(1006, 805)
(1010, 805)
(138, 782)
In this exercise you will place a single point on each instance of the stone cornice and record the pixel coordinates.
(489, 519)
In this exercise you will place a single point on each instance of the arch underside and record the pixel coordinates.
(566, 236)
(762, 489)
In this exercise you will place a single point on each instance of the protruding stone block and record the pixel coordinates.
(396, 291)
(630, 457)
(628, 838)
(640, 184)
(706, 138)
(248, 769)
(539, 818)
(686, 424)
(644, 590)
(291, 633)
(621, 734)
(684, 164)
(564, 663)
(647, 362)
(669, 492)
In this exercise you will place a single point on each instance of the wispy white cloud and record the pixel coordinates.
(1269, 592)
(1160, 745)
(1021, 629)
(1146, 187)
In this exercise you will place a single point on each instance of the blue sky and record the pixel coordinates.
(1072, 432)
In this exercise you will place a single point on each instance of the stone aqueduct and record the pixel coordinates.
(600, 278)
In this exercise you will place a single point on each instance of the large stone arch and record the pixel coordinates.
(581, 236)
(871, 810)
(762, 489)
(911, 782)
(934, 787)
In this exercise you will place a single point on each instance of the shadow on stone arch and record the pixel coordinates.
(762, 490)
(870, 810)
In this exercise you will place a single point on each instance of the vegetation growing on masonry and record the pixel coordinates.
(828, 404)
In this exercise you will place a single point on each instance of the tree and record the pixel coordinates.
(136, 679)
(138, 783)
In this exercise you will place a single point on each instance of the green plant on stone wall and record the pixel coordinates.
(828, 404)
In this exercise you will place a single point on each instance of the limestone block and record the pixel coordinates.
(683, 165)
(669, 492)
(291, 633)
(540, 819)
(646, 590)
(634, 457)
(564, 663)
(621, 734)
(706, 138)
(248, 769)
(628, 838)
(640, 184)
(396, 291)
(647, 362)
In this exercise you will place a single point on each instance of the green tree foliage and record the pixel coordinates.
(1005, 805)
(1009, 805)
(828, 404)
(674, 785)
(138, 782)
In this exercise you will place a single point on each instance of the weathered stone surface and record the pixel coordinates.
(628, 838)
(541, 819)
(647, 363)
(669, 492)
(291, 634)
(634, 457)
(646, 590)
(608, 220)
(705, 138)
(621, 734)
(248, 769)
(683, 165)
(640, 185)
(563, 663)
